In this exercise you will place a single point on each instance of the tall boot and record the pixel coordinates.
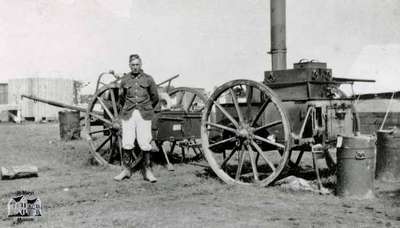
(126, 165)
(147, 174)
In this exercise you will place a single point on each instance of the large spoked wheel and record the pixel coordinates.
(189, 99)
(245, 133)
(103, 128)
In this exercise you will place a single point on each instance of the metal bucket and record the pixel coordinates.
(388, 155)
(356, 166)
(70, 127)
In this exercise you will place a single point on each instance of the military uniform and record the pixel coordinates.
(140, 97)
(140, 93)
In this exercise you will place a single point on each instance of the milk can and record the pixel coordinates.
(388, 155)
(355, 166)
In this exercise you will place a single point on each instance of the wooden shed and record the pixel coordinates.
(61, 90)
(3, 93)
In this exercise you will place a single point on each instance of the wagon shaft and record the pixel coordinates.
(54, 103)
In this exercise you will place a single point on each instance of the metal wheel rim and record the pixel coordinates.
(113, 117)
(205, 140)
(196, 93)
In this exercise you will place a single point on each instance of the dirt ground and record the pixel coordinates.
(77, 194)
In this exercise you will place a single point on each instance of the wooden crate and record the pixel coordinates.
(61, 90)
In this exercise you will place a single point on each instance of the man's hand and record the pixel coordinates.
(113, 85)
(112, 72)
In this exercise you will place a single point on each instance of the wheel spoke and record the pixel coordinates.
(114, 103)
(269, 141)
(120, 148)
(221, 127)
(249, 97)
(190, 103)
(268, 125)
(249, 94)
(105, 107)
(235, 102)
(134, 155)
(253, 163)
(103, 143)
(260, 111)
(260, 152)
(226, 114)
(229, 157)
(110, 150)
(221, 142)
(180, 97)
(299, 158)
(99, 117)
(242, 154)
(98, 131)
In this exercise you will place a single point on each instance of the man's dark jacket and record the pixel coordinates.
(140, 92)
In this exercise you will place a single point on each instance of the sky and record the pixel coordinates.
(207, 42)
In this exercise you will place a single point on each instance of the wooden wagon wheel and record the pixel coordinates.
(195, 99)
(250, 120)
(103, 128)
(191, 101)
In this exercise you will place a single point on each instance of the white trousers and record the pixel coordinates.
(136, 128)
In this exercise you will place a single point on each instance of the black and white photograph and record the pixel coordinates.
(199, 113)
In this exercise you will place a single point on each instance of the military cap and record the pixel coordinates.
(134, 56)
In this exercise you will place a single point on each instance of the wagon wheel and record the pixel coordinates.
(247, 119)
(103, 128)
(191, 101)
(195, 99)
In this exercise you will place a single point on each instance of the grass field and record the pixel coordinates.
(75, 193)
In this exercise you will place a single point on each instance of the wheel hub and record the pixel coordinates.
(245, 131)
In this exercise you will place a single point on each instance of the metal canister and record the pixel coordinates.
(356, 166)
(388, 155)
(69, 124)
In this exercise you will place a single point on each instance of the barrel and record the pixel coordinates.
(70, 127)
(356, 167)
(388, 155)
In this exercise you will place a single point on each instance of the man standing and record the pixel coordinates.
(141, 96)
